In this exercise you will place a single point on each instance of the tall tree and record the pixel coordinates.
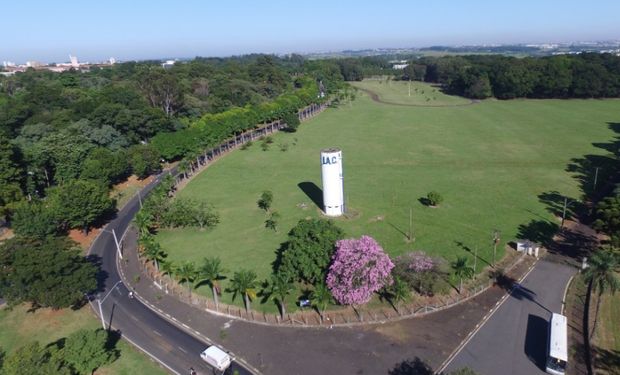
(86, 350)
(33, 219)
(320, 297)
(601, 276)
(211, 272)
(46, 272)
(80, 203)
(244, 283)
(359, 268)
(309, 249)
(278, 288)
(461, 270)
(11, 175)
(186, 272)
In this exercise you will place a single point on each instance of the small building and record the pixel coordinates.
(529, 247)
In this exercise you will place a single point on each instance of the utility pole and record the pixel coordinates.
(564, 212)
(595, 178)
(410, 223)
(495, 242)
(475, 257)
(409, 86)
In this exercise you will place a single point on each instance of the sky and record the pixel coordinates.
(50, 30)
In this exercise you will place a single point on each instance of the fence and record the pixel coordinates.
(344, 316)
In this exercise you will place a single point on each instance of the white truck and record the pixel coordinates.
(216, 357)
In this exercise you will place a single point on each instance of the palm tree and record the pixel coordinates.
(601, 277)
(153, 252)
(278, 288)
(184, 167)
(461, 270)
(211, 272)
(399, 292)
(186, 272)
(244, 282)
(320, 297)
(144, 222)
(167, 268)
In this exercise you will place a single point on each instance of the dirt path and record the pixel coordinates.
(375, 97)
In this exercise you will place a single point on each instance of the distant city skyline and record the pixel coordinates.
(49, 31)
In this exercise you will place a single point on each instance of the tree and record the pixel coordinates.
(461, 270)
(46, 272)
(434, 198)
(244, 283)
(601, 277)
(153, 252)
(291, 119)
(144, 221)
(320, 297)
(272, 221)
(144, 160)
(265, 200)
(204, 215)
(34, 359)
(80, 203)
(211, 272)
(106, 166)
(33, 219)
(278, 288)
(186, 272)
(608, 218)
(86, 350)
(398, 292)
(359, 268)
(308, 251)
(11, 174)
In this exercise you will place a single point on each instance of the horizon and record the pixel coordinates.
(151, 30)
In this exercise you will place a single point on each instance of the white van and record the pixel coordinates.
(216, 357)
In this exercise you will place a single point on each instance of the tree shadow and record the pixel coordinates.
(607, 360)
(536, 340)
(540, 231)
(411, 367)
(424, 201)
(101, 274)
(520, 292)
(555, 205)
(313, 192)
(469, 250)
(596, 174)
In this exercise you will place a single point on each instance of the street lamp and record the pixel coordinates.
(118, 245)
(101, 300)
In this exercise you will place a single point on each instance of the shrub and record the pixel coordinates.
(265, 200)
(247, 145)
(434, 198)
(424, 274)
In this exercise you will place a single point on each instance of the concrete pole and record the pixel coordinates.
(101, 314)
(118, 246)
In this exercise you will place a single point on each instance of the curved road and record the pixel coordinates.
(171, 346)
(513, 340)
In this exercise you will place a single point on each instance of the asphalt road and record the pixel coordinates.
(173, 347)
(514, 340)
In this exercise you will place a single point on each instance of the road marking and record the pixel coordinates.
(458, 350)
(181, 349)
(157, 333)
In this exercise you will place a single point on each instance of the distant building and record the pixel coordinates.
(33, 64)
(399, 66)
(168, 64)
(74, 61)
(112, 61)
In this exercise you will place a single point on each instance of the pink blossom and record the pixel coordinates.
(420, 262)
(359, 268)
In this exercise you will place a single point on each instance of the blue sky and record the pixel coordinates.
(137, 29)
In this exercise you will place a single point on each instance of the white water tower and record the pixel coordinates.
(333, 182)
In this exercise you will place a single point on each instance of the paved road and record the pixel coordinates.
(513, 341)
(176, 349)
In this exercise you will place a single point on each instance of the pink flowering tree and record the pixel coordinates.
(359, 268)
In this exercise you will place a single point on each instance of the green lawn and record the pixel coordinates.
(490, 161)
(19, 327)
(421, 93)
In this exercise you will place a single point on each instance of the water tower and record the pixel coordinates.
(333, 182)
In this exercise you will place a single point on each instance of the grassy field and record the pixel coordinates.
(607, 338)
(398, 92)
(489, 160)
(19, 327)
